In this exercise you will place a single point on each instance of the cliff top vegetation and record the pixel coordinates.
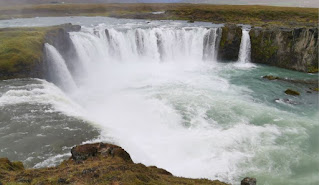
(237, 14)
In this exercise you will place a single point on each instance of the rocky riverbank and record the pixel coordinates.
(98, 163)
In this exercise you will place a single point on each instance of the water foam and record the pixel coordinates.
(153, 93)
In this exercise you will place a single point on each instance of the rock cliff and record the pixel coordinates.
(295, 49)
(98, 163)
(229, 43)
(289, 48)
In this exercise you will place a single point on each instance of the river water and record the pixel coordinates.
(156, 89)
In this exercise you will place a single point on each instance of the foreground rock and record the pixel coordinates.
(98, 163)
(249, 181)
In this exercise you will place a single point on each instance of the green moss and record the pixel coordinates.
(223, 39)
(262, 46)
(313, 69)
(20, 49)
(6, 165)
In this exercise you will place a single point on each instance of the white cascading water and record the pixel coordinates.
(245, 46)
(152, 92)
(58, 70)
(151, 44)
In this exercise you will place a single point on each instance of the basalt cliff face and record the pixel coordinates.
(295, 49)
(229, 45)
(289, 48)
(98, 163)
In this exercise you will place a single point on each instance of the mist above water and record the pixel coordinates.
(160, 93)
(157, 90)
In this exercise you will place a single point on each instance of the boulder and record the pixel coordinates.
(270, 77)
(248, 181)
(84, 152)
(292, 92)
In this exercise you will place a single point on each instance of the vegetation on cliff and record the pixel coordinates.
(253, 15)
(94, 164)
(21, 50)
(295, 49)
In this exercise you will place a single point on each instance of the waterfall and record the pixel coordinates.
(244, 52)
(58, 70)
(211, 44)
(158, 44)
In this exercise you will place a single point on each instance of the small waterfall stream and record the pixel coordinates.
(245, 45)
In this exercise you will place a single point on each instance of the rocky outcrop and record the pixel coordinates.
(81, 153)
(98, 163)
(229, 43)
(292, 92)
(295, 49)
(60, 39)
(248, 181)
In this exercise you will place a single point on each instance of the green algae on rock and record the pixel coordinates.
(292, 92)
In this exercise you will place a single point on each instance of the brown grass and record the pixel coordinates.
(254, 15)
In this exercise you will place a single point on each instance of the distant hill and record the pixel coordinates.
(291, 3)
(19, 2)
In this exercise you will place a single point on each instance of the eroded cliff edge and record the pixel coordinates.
(98, 163)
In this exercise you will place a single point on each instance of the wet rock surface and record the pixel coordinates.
(249, 181)
(292, 92)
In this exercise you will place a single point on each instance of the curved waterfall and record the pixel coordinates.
(58, 70)
(152, 44)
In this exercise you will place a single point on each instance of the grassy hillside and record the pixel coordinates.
(94, 164)
(254, 15)
(20, 50)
